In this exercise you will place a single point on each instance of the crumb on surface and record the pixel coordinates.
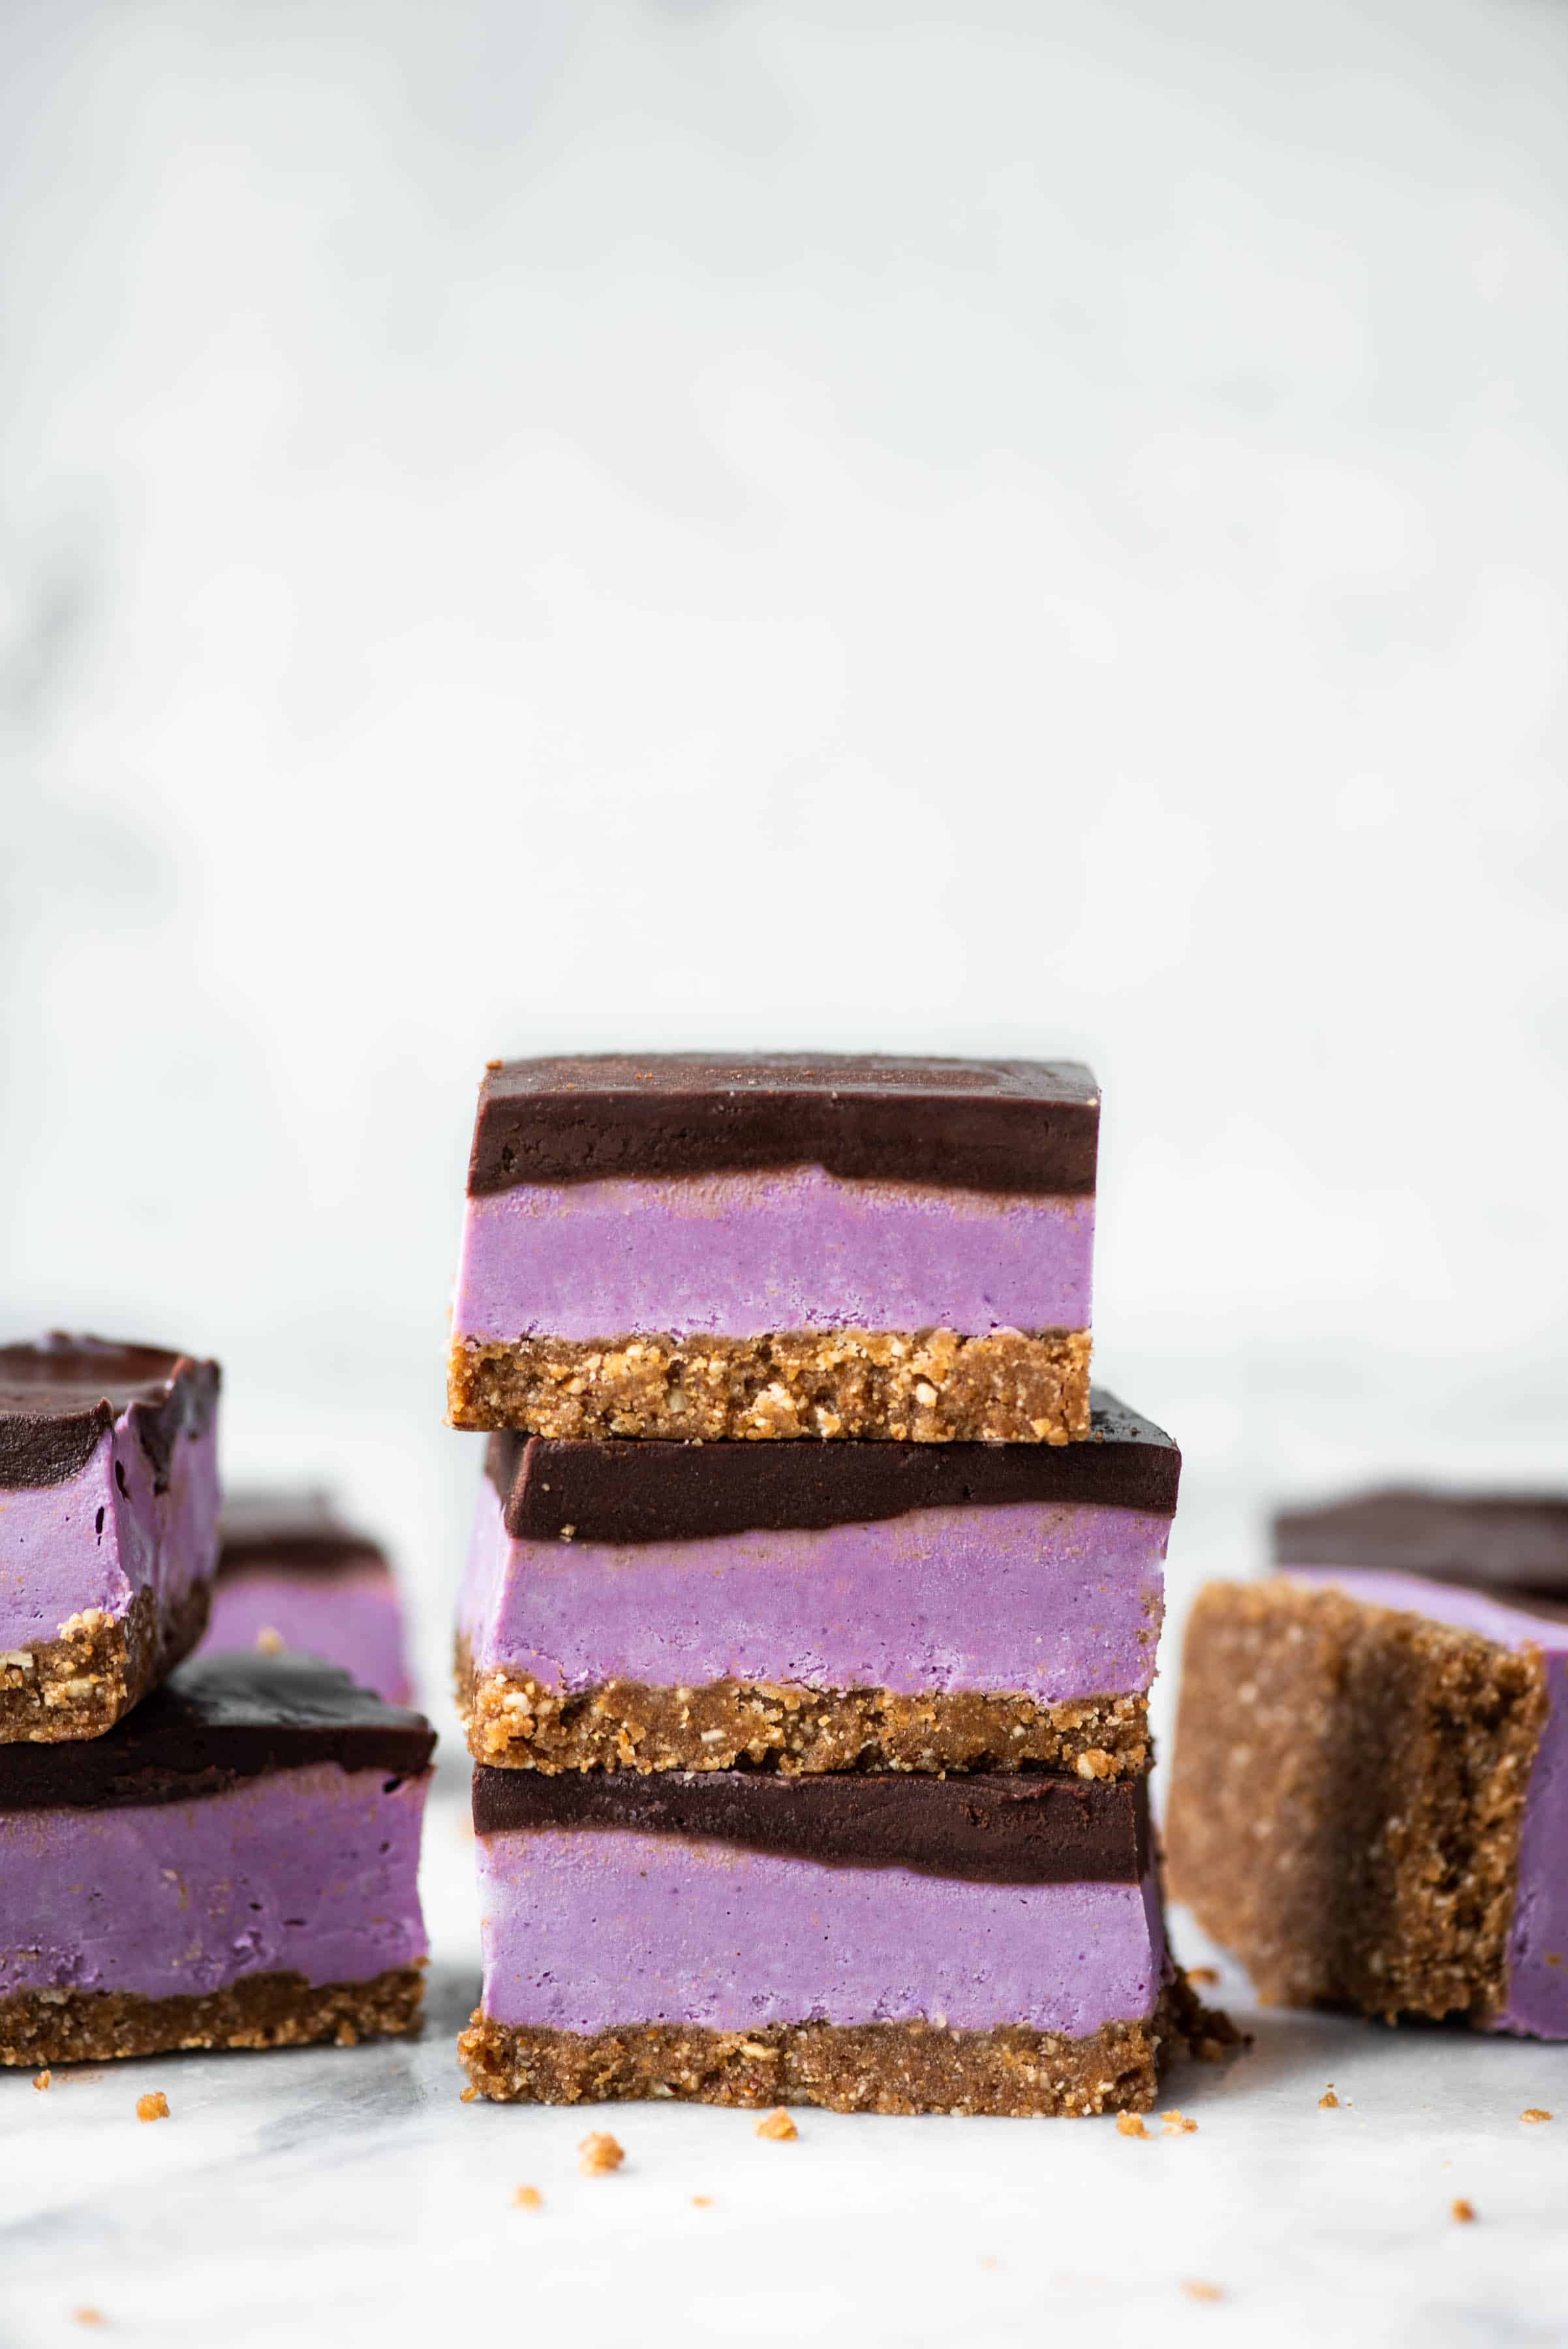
(528, 2198)
(269, 1643)
(1208, 1975)
(1197, 2289)
(599, 2154)
(153, 2106)
(777, 2124)
(43, 2079)
(1177, 2124)
(1130, 2125)
(86, 2316)
(1461, 2210)
(701, 2201)
(1329, 2102)
(1535, 2113)
(467, 2096)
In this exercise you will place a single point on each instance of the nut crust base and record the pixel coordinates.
(513, 1722)
(1347, 1798)
(275, 2009)
(924, 1386)
(80, 1684)
(875, 2067)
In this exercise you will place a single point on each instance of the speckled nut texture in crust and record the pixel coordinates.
(513, 1722)
(1347, 1798)
(80, 1684)
(926, 1386)
(879, 2067)
(273, 2010)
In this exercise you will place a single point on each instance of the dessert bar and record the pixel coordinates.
(1369, 1802)
(293, 1575)
(869, 1942)
(684, 1246)
(232, 1866)
(108, 1509)
(818, 1606)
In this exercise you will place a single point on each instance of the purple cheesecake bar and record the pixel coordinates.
(232, 1866)
(1391, 1708)
(872, 1943)
(293, 1576)
(109, 1514)
(818, 1606)
(685, 1246)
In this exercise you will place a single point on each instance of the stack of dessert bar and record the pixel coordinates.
(219, 1852)
(1370, 1796)
(812, 1608)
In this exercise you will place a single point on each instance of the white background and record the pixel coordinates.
(1039, 526)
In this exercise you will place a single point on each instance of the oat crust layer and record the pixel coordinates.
(881, 2067)
(1347, 1798)
(273, 2010)
(513, 1722)
(925, 1386)
(79, 1684)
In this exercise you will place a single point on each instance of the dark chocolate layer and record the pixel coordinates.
(289, 1533)
(216, 1721)
(1044, 1829)
(59, 1394)
(989, 1125)
(1491, 1541)
(654, 1491)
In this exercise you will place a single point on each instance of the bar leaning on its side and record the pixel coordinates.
(1369, 1798)
(688, 1246)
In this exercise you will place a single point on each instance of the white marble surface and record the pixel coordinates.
(348, 2197)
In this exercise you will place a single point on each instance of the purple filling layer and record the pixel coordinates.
(104, 1537)
(310, 1871)
(584, 1932)
(352, 1620)
(1537, 2002)
(1053, 1601)
(738, 1254)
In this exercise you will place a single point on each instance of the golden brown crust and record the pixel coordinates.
(880, 2067)
(80, 1684)
(1347, 1796)
(925, 1386)
(513, 1722)
(273, 2010)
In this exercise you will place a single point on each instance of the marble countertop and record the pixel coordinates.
(348, 2196)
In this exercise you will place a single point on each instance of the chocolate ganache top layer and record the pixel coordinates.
(58, 1395)
(554, 1490)
(1029, 1829)
(280, 1531)
(1029, 1126)
(218, 1720)
(1496, 1542)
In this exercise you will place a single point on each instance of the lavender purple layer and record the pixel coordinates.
(582, 1931)
(1537, 2002)
(105, 1534)
(741, 1255)
(311, 1871)
(351, 1618)
(1054, 1602)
